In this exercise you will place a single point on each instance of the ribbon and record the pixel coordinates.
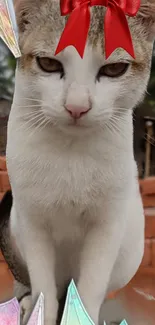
(117, 33)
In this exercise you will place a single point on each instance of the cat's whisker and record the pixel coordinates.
(118, 118)
(120, 109)
(33, 119)
(29, 106)
(32, 114)
(32, 99)
(43, 122)
(48, 122)
(34, 124)
(116, 122)
(29, 114)
(113, 127)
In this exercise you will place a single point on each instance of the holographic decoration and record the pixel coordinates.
(74, 311)
(124, 322)
(37, 317)
(10, 312)
(8, 27)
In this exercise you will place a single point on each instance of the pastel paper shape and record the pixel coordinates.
(37, 316)
(10, 312)
(74, 311)
(124, 322)
(8, 27)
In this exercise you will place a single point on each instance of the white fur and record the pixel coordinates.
(77, 209)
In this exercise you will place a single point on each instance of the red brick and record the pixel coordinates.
(4, 181)
(147, 185)
(2, 163)
(153, 253)
(147, 253)
(3, 269)
(148, 200)
(147, 271)
(112, 295)
(6, 283)
(1, 256)
(150, 226)
(1, 195)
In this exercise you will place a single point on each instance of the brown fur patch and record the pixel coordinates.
(96, 32)
(26, 62)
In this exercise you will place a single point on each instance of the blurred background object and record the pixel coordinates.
(7, 72)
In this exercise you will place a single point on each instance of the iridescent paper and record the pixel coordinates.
(8, 27)
(74, 311)
(9, 312)
(37, 317)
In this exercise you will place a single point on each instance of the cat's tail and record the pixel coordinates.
(15, 264)
(5, 209)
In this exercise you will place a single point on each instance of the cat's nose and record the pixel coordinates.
(77, 111)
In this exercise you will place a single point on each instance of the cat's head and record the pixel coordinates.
(75, 93)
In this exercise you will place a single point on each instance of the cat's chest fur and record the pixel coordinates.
(65, 170)
(64, 182)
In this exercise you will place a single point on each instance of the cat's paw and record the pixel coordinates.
(50, 322)
(25, 309)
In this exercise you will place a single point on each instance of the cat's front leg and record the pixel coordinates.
(23, 294)
(40, 259)
(99, 254)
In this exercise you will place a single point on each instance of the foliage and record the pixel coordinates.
(7, 72)
(150, 99)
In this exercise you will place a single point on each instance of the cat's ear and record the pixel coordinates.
(147, 16)
(21, 12)
(23, 9)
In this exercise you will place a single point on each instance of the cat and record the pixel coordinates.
(77, 211)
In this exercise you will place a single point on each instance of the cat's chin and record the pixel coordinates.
(75, 130)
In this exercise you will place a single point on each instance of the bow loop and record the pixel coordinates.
(67, 6)
(117, 33)
(131, 7)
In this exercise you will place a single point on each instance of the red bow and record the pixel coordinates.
(117, 33)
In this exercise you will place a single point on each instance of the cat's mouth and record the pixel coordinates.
(78, 123)
(75, 127)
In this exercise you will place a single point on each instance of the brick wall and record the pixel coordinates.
(4, 181)
(6, 279)
(147, 188)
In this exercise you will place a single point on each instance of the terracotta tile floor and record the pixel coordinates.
(135, 303)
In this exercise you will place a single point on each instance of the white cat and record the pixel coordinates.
(77, 211)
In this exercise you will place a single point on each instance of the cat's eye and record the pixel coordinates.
(50, 65)
(114, 70)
